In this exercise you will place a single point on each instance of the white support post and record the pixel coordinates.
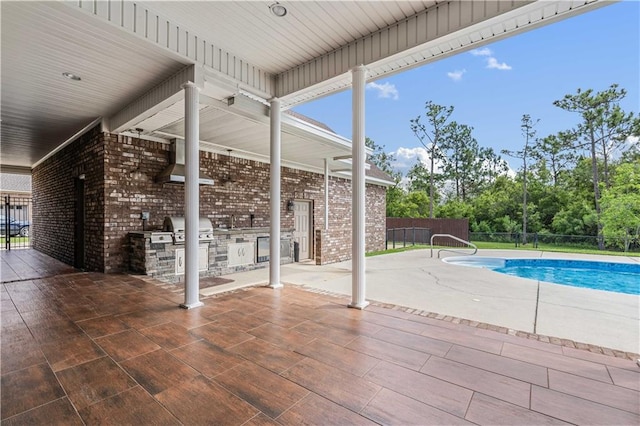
(358, 282)
(191, 195)
(274, 195)
(326, 194)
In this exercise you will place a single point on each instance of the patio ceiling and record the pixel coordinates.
(126, 52)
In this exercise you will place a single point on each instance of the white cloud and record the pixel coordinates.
(385, 90)
(407, 157)
(492, 63)
(632, 139)
(485, 51)
(456, 75)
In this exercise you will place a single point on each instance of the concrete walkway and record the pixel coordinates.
(415, 280)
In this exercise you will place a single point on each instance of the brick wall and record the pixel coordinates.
(54, 203)
(334, 245)
(120, 183)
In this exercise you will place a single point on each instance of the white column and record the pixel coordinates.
(274, 195)
(326, 194)
(191, 195)
(358, 282)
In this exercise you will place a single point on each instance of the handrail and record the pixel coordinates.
(475, 248)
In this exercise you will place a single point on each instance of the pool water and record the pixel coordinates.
(607, 276)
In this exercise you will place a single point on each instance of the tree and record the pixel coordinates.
(558, 153)
(395, 198)
(429, 135)
(418, 178)
(492, 166)
(461, 161)
(497, 201)
(603, 126)
(381, 159)
(621, 206)
(527, 127)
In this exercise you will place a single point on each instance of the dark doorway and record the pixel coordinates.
(79, 224)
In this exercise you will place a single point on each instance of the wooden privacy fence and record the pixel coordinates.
(456, 227)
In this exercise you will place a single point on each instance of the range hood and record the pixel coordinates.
(175, 171)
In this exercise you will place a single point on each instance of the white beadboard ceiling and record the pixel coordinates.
(122, 50)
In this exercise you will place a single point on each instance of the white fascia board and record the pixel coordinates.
(480, 25)
(155, 100)
(427, 25)
(345, 174)
(207, 146)
(257, 112)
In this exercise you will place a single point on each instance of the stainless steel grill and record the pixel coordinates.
(176, 225)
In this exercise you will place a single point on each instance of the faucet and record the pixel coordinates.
(233, 221)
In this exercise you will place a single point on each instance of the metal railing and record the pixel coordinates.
(15, 223)
(407, 236)
(475, 248)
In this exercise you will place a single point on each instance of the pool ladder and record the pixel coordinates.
(475, 248)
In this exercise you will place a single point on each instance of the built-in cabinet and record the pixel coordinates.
(230, 250)
(203, 259)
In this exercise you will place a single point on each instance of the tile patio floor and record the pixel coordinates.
(88, 348)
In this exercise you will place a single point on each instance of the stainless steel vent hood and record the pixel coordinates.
(175, 171)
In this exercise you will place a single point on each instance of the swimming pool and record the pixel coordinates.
(608, 276)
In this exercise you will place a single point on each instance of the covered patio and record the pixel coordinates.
(115, 349)
(94, 92)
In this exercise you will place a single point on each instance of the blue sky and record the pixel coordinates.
(530, 71)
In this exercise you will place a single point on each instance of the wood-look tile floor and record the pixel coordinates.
(87, 348)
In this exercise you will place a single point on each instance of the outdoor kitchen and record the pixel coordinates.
(222, 251)
(128, 199)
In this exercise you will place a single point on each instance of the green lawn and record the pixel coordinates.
(511, 246)
(15, 240)
(550, 247)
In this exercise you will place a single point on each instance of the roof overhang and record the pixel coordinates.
(134, 56)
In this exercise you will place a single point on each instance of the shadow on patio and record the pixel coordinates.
(114, 349)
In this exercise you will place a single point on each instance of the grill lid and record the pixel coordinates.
(176, 224)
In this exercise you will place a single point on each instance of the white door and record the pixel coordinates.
(302, 232)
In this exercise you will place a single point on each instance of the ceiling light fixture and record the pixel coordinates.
(278, 9)
(71, 76)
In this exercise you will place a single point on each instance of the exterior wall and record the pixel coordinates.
(54, 200)
(334, 245)
(120, 183)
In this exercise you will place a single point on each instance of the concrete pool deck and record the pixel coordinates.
(414, 280)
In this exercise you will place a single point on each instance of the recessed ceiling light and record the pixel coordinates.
(71, 76)
(278, 9)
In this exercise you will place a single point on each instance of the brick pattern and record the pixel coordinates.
(120, 184)
(334, 245)
(54, 200)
